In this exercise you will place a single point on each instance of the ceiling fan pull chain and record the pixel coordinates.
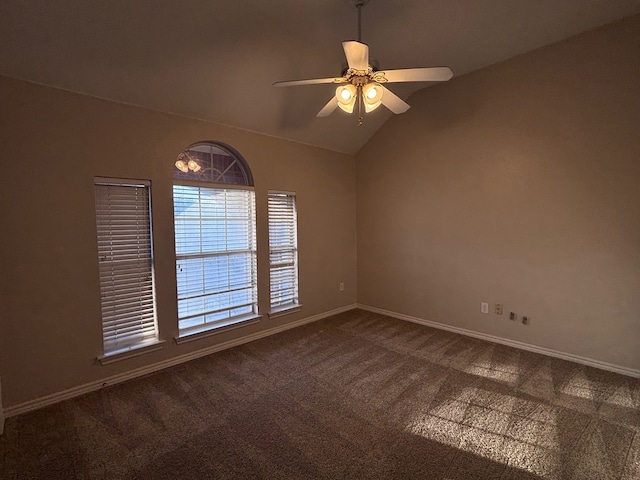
(360, 100)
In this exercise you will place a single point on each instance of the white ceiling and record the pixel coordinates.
(216, 59)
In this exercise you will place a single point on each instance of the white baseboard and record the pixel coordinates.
(511, 343)
(138, 372)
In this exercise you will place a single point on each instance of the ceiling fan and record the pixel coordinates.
(361, 83)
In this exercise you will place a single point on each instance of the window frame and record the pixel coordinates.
(294, 305)
(195, 332)
(149, 315)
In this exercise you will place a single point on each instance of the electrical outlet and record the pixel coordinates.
(513, 316)
(484, 307)
(498, 309)
(341, 286)
(525, 320)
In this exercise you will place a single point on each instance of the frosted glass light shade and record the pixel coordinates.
(372, 95)
(346, 96)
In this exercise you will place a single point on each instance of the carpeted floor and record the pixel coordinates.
(355, 396)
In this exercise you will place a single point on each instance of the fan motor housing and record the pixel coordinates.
(373, 63)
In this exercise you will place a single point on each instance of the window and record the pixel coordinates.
(215, 239)
(125, 260)
(283, 251)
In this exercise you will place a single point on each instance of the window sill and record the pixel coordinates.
(285, 310)
(207, 331)
(130, 352)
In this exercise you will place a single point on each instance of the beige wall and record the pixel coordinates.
(52, 144)
(518, 184)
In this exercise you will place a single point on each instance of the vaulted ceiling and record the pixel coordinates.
(217, 60)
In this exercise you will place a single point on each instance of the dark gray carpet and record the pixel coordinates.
(356, 396)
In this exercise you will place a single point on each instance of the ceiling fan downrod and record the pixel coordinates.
(359, 5)
(359, 98)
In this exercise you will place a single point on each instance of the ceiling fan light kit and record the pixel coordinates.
(361, 84)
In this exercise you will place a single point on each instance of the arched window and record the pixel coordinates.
(215, 238)
(212, 162)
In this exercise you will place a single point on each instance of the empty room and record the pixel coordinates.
(337, 239)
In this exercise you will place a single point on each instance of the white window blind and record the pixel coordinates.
(125, 259)
(215, 236)
(283, 249)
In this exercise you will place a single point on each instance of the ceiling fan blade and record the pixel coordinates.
(393, 102)
(357, 55)
(313, 81)
(433, 74)
(328, 108)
